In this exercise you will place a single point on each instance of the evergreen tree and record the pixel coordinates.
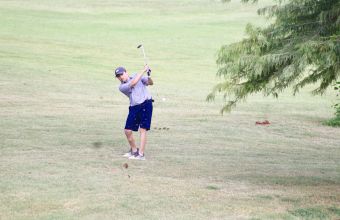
(300, 47)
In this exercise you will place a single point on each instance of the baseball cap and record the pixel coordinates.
(119, 71)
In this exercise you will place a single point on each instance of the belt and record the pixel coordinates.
(147, 101)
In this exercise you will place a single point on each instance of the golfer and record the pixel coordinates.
(140, 110)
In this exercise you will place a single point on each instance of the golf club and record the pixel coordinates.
(144, 55)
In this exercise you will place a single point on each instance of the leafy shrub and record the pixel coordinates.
(335, 122)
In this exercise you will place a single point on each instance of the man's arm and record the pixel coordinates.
(146, 80)
(138, 76)
(150, 81)
(125, 88)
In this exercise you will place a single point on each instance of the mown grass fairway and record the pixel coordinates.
(62, 118)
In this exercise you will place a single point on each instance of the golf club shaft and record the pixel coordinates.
(145, 59)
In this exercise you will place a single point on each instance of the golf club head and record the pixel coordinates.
(139, 46)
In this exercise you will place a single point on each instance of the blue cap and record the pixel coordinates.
(119, 71)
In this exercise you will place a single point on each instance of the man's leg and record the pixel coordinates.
(145, 125)
(131, 140)
(142, 140)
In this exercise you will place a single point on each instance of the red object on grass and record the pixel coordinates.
(266, 122)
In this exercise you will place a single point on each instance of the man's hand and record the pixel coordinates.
(139, 76)
(146, 69)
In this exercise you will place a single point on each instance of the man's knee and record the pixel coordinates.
(128, 133)
(142, 130)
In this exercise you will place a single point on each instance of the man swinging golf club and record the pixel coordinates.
(140, 110)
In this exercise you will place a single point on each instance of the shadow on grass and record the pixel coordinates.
(97, 144)
(212, 187)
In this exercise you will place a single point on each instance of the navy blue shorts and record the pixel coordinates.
(139, 116)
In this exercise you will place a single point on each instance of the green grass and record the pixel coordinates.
(310, 213)
(62, 116)
(334, 122)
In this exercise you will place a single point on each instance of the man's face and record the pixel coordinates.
(123, 77)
